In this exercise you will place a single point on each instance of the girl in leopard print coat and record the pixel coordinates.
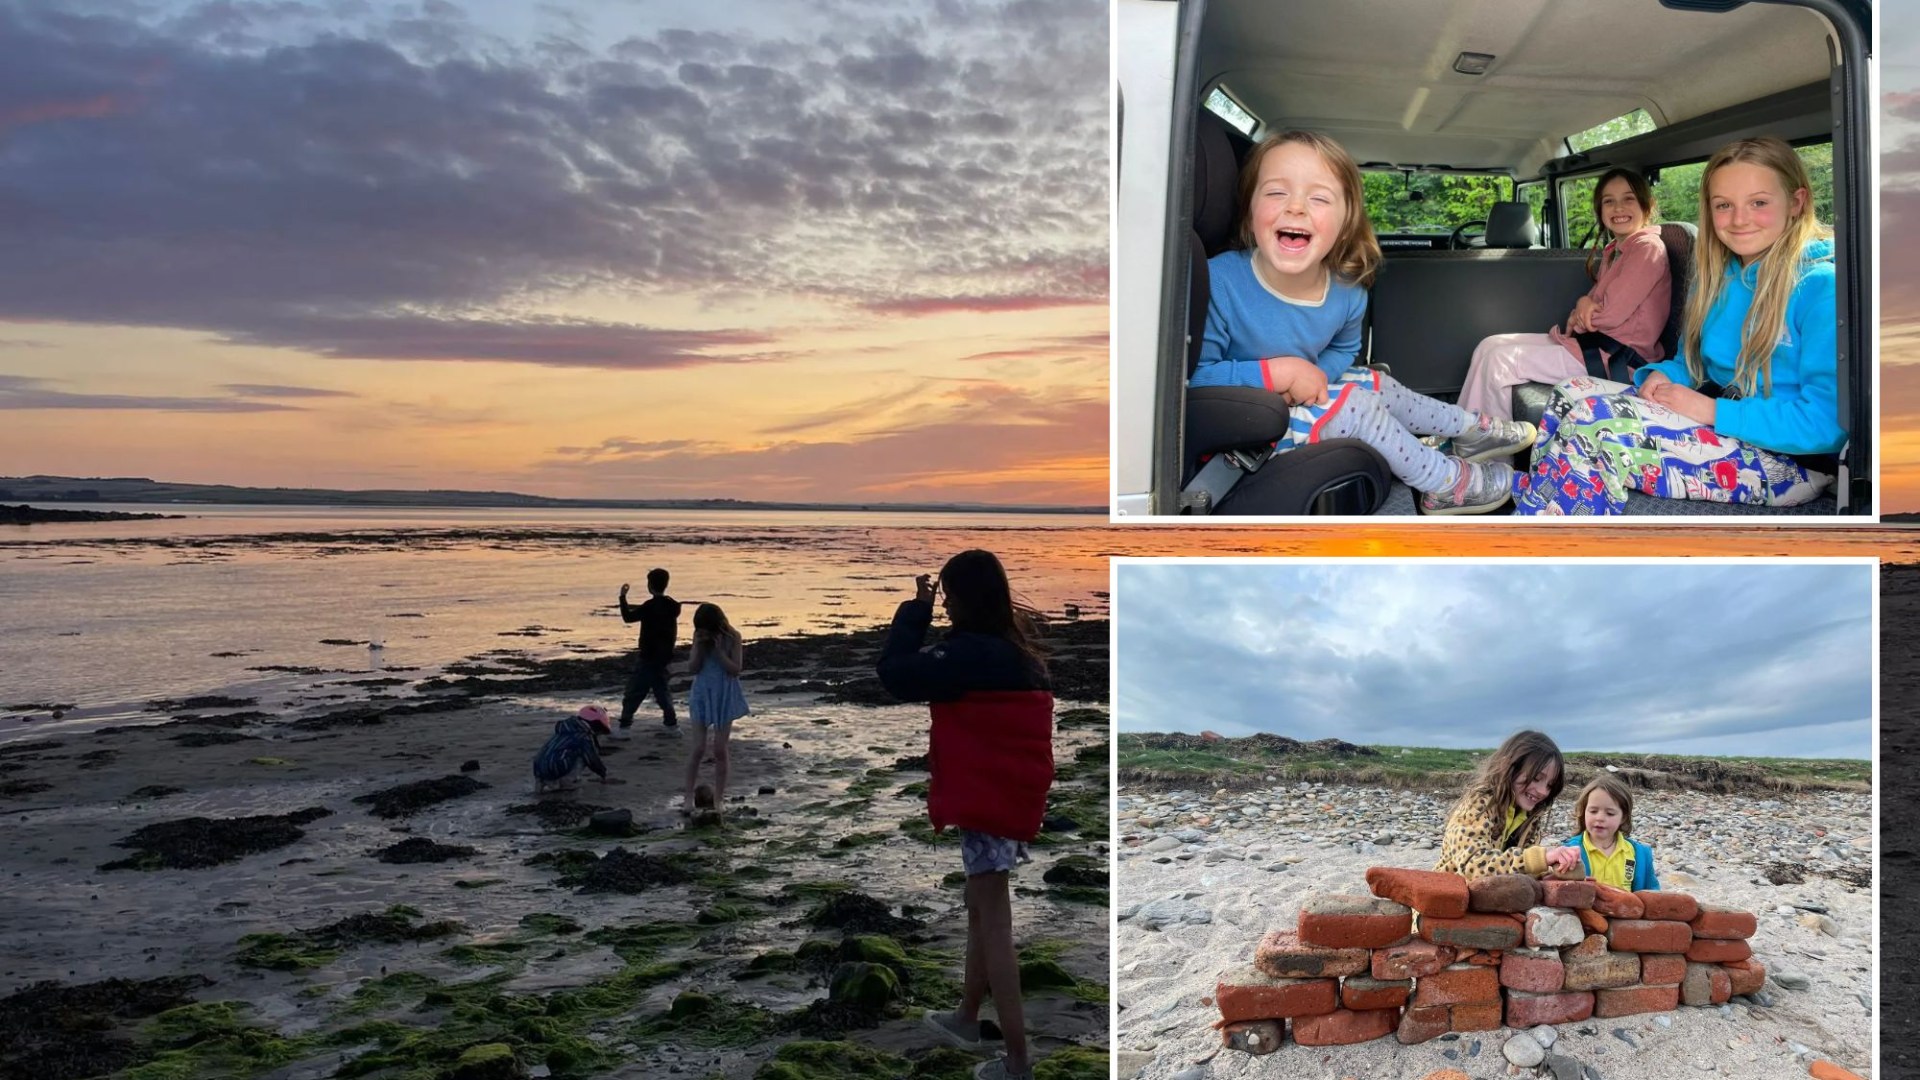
(1497, 825)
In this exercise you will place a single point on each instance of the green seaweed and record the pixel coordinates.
(860, 840)
(210, 1039)
(708, 1020)
(642, 942)
(831, 1061)
(1073, 1063)
(541, 922)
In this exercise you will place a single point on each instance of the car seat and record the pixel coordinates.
(1228, 466)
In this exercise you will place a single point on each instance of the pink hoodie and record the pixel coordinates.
(1633, 295)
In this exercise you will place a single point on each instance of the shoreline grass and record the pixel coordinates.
(1160, 760)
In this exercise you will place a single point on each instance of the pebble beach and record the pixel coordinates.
(1202, 875)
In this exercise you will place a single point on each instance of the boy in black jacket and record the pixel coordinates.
(659, 620)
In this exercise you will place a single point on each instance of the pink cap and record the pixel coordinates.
(595, 715)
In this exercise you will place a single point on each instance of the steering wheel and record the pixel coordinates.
(1460, 239)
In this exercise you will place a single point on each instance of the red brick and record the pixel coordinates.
(1717, 951)
(1649, 936)
(1344, 1026)
(1355, 931)
(1361, 994)
(1706, 984)
(1417, 1025)
(1617, 903)
(1473, 931)
(1827, 1070)
(1281, 955)
(1667, 905)
(1567, 894)
(1636, 999)
(1254, 1036)
(1502, 892)
(1723, 923)
(1537, 971)
(1526, 1010)
(1746, 976)
(1658, 969)
(1592, 921)
(1246, 994)
(1411, 960)
(1461, 984)
(1485, 959)
(1589, 969)
(1430, 892)
(1479, 1016)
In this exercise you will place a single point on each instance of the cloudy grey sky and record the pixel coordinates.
(1681, 658)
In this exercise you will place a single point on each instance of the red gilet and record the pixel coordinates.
(990, 756)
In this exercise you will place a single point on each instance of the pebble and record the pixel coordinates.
(1194, 1073)
(1823, 923)
(1157, 914)
(1789, 978)
(1545, 1035)
(1523, 1051)
(1132, 1063)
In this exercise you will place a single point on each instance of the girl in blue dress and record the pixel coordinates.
(716, 699)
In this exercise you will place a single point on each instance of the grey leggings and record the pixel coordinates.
(1389, 420)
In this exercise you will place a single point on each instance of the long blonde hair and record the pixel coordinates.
(1780, 265)
(1355, 254)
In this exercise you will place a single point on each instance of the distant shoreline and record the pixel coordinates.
(32, 515)
(66, 490)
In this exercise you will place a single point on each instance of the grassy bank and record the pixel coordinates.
(1181, 760)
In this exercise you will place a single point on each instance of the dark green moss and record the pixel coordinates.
(1073, 1063)
(832, 1061)
(541, 922)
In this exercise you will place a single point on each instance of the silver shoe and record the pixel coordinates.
(1483, 488)
(1500, 438)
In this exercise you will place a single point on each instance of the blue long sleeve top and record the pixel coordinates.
(1802, 414)
(1247, 322)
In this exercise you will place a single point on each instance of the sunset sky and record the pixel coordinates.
(842, 250)
(1899, 261)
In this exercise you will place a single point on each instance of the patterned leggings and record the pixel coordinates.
(1373, 407)
(1598, 440)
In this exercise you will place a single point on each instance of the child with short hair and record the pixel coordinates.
(990, 764)
(1607, 852)
(659, 619)
(1748, 412)
(716, 699)
(573, 745)
(1286, 314)
(1496, 826)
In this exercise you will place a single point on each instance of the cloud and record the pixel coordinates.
(989, 444)
(21, 392)
(384, 190)
(1395, 654)
(258, 390)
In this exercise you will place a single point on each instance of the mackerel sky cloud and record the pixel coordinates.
(760, 228)
(1463, 655)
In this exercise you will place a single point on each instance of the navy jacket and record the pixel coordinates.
(962, 662)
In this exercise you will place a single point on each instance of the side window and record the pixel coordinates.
(1576, 201)
(1677, 189)
(1534, 194)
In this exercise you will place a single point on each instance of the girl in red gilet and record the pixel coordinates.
(990, 756)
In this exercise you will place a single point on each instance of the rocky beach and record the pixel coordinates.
(367, 886)
(1202, 874)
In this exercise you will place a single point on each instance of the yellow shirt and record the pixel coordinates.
(1514, 820)
(1609, 869)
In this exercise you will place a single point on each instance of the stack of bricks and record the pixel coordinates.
(1506, 950)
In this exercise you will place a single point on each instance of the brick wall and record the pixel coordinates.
(1505, 950)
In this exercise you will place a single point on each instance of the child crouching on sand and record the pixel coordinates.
(990, 763)
(574, 743)
(1610, 857)
(1496, 826)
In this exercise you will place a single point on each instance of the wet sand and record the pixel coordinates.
(315, 945)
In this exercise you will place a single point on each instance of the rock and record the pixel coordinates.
(1156, 914)
(1523, 1051)
(612, 822)
(768, 789)
(1164, 843)
(1545, 1035)
(488, 1061)
(1822, 923)
(1563, 1067)
(1132, 1063)
(1789, 978)
(472, 766)
(863, 986)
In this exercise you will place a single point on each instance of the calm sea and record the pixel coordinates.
(107, 617)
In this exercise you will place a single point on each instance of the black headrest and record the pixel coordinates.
(1678, 236)
(1216, 183)
(1510, 225)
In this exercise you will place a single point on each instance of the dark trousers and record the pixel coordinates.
(647, 678)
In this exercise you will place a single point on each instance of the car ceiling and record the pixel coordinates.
(1378, 74)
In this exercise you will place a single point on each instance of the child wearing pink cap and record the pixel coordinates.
(573, 744)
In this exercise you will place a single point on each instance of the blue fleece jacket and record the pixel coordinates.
(1801, 415)
(1248, 323)
(1643, 875)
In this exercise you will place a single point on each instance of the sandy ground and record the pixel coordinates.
(68, 799)
(1167, 977)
